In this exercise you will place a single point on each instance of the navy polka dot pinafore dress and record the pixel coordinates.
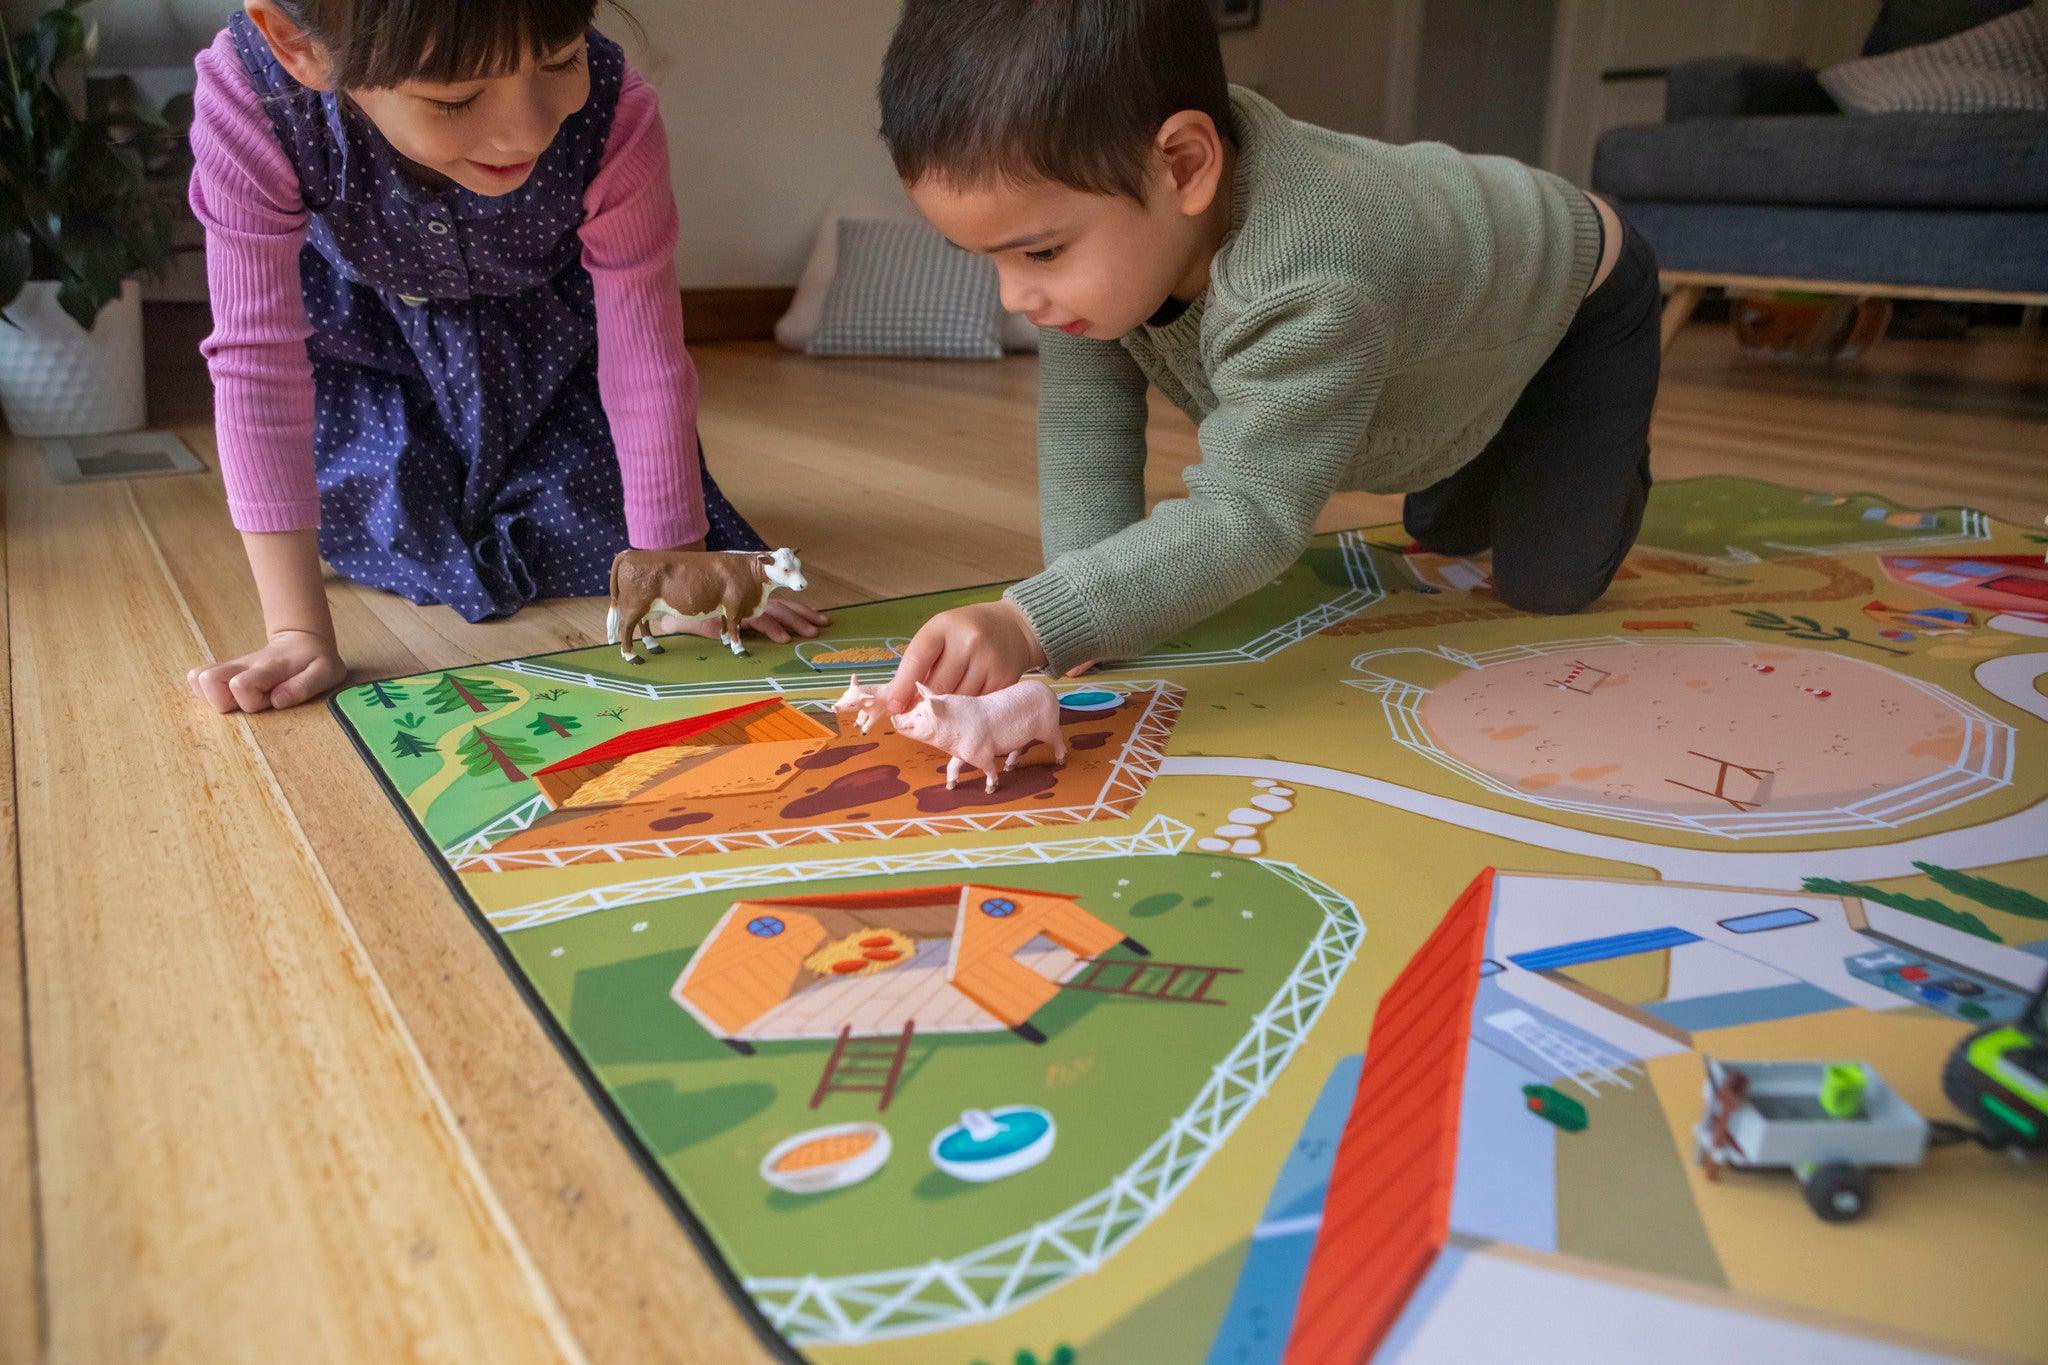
(463, 454)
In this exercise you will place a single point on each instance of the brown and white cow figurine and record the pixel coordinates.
(727, 586)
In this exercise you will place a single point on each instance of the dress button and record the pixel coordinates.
(438, 228)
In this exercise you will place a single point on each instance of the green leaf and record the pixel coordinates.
(69, 33)
(75, 155)
(82, 301)
(94, 249)
(63, 157)
(14, 264)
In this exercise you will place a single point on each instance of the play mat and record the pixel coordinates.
(1348, 988)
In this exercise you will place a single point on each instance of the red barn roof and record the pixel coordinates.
(891, 899)
(658, 736)
(1388, 1209)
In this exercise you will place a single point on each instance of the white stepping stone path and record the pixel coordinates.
(1243, 829)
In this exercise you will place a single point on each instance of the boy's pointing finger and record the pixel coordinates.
(918, 657)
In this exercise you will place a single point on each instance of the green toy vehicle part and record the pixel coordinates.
(1841, 1090)
(1987, 1078)
(1561, 1109)
(1999, 1077)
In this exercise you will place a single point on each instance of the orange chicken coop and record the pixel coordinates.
(941, 959)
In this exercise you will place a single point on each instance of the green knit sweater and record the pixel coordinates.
(1370, 319)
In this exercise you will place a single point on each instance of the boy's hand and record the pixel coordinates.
(974, 649)
(780, 619)
(291, 667)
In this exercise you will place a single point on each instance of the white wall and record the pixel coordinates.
(1343, 64)
(770, 107)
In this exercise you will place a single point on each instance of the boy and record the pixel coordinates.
(1333, 312)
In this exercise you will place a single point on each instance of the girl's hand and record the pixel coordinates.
(780, 619)
(973, 650)
(291, 667)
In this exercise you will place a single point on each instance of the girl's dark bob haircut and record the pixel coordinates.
(377, 44)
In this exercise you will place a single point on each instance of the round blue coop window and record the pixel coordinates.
(767, 926)
(995, 907)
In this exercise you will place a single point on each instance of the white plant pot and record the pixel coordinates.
(57, 379)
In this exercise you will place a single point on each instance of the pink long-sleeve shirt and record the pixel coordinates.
(245, 192)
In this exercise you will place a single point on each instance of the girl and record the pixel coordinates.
(439, 243)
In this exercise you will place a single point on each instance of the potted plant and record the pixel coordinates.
(79, 217)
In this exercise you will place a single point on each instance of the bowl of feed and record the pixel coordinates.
(828, 1158)
(988, 1145)
(825, 655)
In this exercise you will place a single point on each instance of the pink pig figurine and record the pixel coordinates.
(974, 730)
(865, 704)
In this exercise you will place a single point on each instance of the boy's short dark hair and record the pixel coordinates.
(1071, 91)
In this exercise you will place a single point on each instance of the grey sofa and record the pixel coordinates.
(1753, 175)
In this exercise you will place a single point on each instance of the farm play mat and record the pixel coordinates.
(1089, 1069)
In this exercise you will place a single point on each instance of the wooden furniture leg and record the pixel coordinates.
(1684, 298)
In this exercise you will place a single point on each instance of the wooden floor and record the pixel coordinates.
(264, 1092)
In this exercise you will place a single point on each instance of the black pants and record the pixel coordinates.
(1558, 493)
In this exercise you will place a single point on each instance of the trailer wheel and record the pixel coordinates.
(1838, 1191)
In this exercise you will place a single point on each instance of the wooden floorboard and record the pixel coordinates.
(238, 1152)
(21, 1313)
(1924, 423)
(588, 1214)
(286, 1104)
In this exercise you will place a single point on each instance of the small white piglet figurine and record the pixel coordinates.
(973, 730)
(865, 704)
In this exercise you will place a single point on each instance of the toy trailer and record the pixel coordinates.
(1829, 1123)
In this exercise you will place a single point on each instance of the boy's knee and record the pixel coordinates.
(1548, 598)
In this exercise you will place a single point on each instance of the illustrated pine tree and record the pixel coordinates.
(384, 694)
(1985, 891)
(545, 724)
(481, 751)
(453, 692)
(406, 744)
(1926, 907)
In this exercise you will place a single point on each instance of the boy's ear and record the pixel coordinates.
(302, 58)
(1193, 151)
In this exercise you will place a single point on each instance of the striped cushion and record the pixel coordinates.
(2001, 65)
(903, 290)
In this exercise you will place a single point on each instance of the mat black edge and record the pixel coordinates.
(650, 1166)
